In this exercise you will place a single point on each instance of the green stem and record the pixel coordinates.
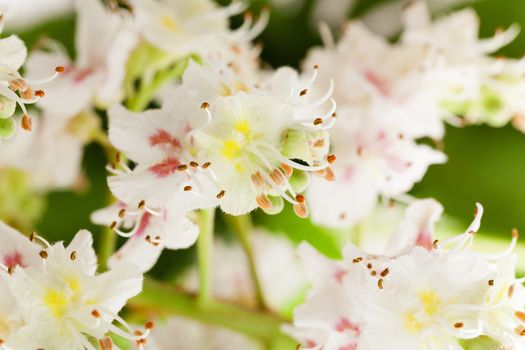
(158, 299)
(146, 92)
(205, 253)
(108, 242)
(242, 227)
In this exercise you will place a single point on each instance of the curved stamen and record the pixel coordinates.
(313, 78)
(328, 115)
(503, 254)
(327, 95)
(44, 80)
(126, 234)
(154, 212)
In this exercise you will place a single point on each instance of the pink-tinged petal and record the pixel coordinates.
(406, 164)
(162, 137)
(416, 228)
(71, 92)
(16, 249)
(156, 186)
(165, 168)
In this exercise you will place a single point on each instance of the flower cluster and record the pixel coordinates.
(420, 294)
(438, 71)
(15, 90)
(219, 139)
(52, 297)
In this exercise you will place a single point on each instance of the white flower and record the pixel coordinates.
(373, 161)
(16, 250)
(182, 28)
(225, 130)
(56, 298)
(103, 41)
(425, 302)
(382, 110)
(469, 82)
(416, 228)
(13, 88)
(149, 231)
(425, 298)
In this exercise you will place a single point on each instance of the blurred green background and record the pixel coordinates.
(485, 164)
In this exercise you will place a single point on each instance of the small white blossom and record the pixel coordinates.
(421, 297)
(103, 42)
(56, 299)
(182, 28)
(149, 231)
(382, 110)
(468, 81)
(228, 133)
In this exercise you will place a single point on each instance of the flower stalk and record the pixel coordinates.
(205, 254)
(242, 227)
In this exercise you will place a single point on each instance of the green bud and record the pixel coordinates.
(7, 107)
(299, 181)
(277, 205)
(7, 128)
(491, 101)
(480, 343)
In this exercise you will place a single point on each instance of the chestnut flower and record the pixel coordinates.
(248, 145)
(404, 299)
(53, 298)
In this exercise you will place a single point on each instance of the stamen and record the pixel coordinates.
(34, 236)
(258, 180)
(288, 170)
(221, 194)
(43, 254)
(27, 123)
(301, 210)
(380, 283)
(73, 255)
(263, 202)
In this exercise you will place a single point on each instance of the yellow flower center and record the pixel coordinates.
(57, 302)
(243, 127)
(430, 304)
(230, 149)
(169, 23)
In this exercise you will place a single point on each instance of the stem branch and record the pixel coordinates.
(205, 253)
(242, 227)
